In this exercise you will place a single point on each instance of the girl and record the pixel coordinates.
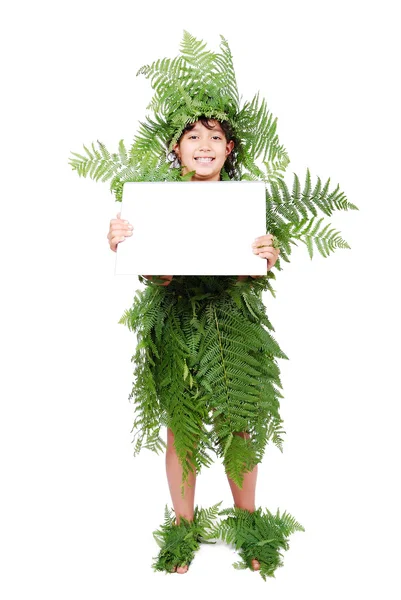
(205, 354)
(204, 147)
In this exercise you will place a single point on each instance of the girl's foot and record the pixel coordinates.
(176, 569)
(255, 564)
(180, 569)
(178, 544)
(253, 532)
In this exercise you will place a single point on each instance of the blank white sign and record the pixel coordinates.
(192, 228)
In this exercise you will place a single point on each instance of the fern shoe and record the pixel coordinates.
(258, 537)
(179, 543)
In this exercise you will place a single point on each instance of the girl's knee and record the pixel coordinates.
(171, 440)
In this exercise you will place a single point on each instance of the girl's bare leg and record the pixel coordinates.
(183, 505)
(245, 497)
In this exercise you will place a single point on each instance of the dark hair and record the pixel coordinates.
(230, 165)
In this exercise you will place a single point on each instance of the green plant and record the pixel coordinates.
(257, 535)
(179, 543)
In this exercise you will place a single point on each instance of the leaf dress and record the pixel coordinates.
(206, 367)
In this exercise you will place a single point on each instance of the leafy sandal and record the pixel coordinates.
(179, 543)
(257, 535)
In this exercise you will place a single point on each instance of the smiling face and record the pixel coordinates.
(203, 150)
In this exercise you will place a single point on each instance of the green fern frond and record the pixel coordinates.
(98, 164)
(226, 70)
(257, 535)
(194, 54)
(326, 240)
(289, 215)
(179, 543)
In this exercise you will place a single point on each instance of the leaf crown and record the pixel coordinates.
(202, 84)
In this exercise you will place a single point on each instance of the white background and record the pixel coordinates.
(78, 510)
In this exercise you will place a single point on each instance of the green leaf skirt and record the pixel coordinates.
(206, 367)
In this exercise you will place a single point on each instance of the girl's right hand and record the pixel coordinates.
(118, 231)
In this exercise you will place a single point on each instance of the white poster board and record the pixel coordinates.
(192, 228)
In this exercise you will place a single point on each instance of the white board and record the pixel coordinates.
(192, 228)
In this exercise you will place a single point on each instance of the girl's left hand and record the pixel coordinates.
(167, 277)
(263, 247)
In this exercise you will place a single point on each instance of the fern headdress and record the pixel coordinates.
(206, 356)
(202, 84)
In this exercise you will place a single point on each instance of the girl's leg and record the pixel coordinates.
(183, 505)
(245, 497)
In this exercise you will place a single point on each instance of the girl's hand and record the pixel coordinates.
(168, 277)
(263, 247)
(118, 231)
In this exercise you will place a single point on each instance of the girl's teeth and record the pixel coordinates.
(204, 159)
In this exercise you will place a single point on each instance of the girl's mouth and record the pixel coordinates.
(204, 159)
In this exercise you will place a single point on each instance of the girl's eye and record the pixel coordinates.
(214, 137)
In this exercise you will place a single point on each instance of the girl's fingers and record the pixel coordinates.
(123, 223)
(120, 232)
(119, 229)
(265, 249)
(167, 277)
(263, 240)
(117, 237)
(120, 224)
(268, 253)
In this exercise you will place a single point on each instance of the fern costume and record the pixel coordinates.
(206, 358)
(178, 543)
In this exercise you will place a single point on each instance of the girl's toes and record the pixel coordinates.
(255, 564)
(173, 570)
(183, 569)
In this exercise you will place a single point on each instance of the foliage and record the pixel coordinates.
(257, 535)
(205, 367)
(179, 543)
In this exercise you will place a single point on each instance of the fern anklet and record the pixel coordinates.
(179, 543)
(257, 536)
